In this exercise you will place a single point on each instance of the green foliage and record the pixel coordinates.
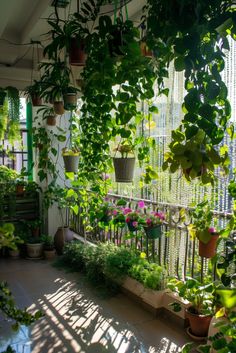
(198, 294)
(9, 309)
(7, 237)
(108, 262)
(194, 35)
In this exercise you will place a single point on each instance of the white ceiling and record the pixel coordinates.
(24, 21)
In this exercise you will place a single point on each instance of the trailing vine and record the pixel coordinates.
(194, 35)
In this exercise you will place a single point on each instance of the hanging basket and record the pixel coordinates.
(124, 169)
(77, 54)
(58, 107)
(208, 250)
(71, 163)
(131, 227)
(70, 101)
(51, 120)
(153, 232)
(36, 100)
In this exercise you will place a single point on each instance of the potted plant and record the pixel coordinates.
(133, 218)
(105, 212)
(48, 247)
(153, 222)
(33, 92)
(34, 227)
(201, 303)
(34, 247)
(20, 186)
(71, 159)
(124, 165)
(8, 239)
(70, 98)
(48, 114)
(201, 227)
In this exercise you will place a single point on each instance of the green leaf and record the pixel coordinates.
(179, 63)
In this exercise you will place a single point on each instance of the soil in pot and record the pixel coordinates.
(124, 169)
(208, 250)
(71, 163)
(51, 120)
(62, 236)
(58, 108)
(199, 324)
(77, 54)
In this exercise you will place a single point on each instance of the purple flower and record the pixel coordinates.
(127, 210)
(105, 176)
(135, 224)
(141, 204)
(115, 212)
(212, 230)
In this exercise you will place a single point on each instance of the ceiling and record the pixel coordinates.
(24, 22)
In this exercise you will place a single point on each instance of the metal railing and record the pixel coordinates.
(175, 250)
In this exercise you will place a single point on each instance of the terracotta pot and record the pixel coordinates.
(77, 54)
(71, 163)
(208, 250)
(51, 120)
(49, 254)
(124, 169)
(20, 189)
(62, 236)
(145, 51)
(70, 101)
(34, 251)
(153, 232)
(35, 232)
(58, 108)
(36, 101)
(199, 324)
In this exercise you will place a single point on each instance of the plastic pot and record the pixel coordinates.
(58, 107)
(77, 54)
(153, 232)
(71, 163)
(70, 101)
(51, 120)
(208, 250)
(124, 169)
(36, 101)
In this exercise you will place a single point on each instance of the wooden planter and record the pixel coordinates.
(62, 235)
(70, 101)
(77, 54)
(208, 250)
(124, 169)
(51, 120)
(71, 163)
(58, 108)
(153, 232)
(199, 324)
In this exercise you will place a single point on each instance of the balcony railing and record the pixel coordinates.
(175, 250)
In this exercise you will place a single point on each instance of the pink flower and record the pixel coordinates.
(212, 230)
(114, 212)
(127, 210)
(105, 176)
(127, 220)
(148, 221)
(135, 224)
(141, 204)
(160, 215)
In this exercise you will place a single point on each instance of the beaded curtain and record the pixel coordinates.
(173, 188)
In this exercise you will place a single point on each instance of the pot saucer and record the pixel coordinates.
(194, 337)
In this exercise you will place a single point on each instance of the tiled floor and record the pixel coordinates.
(78, 320)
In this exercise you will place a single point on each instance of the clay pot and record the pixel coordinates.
(51, 120)
(58, 108)
(35, 232)
(34, 251)
(199, 324)
(62, 236)
(77, 54)
(70, 101)
(124, 169)
(36, 101)
(208, 250)
(49, 254)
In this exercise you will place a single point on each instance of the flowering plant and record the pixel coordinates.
(105, 211)
(154, 218)
(202, 218)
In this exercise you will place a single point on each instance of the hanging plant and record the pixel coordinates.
(194, 35)
(13, 133)
(3, 94)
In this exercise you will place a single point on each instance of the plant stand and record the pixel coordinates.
(124, 169)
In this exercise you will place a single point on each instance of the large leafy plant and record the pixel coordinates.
(194, 35)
